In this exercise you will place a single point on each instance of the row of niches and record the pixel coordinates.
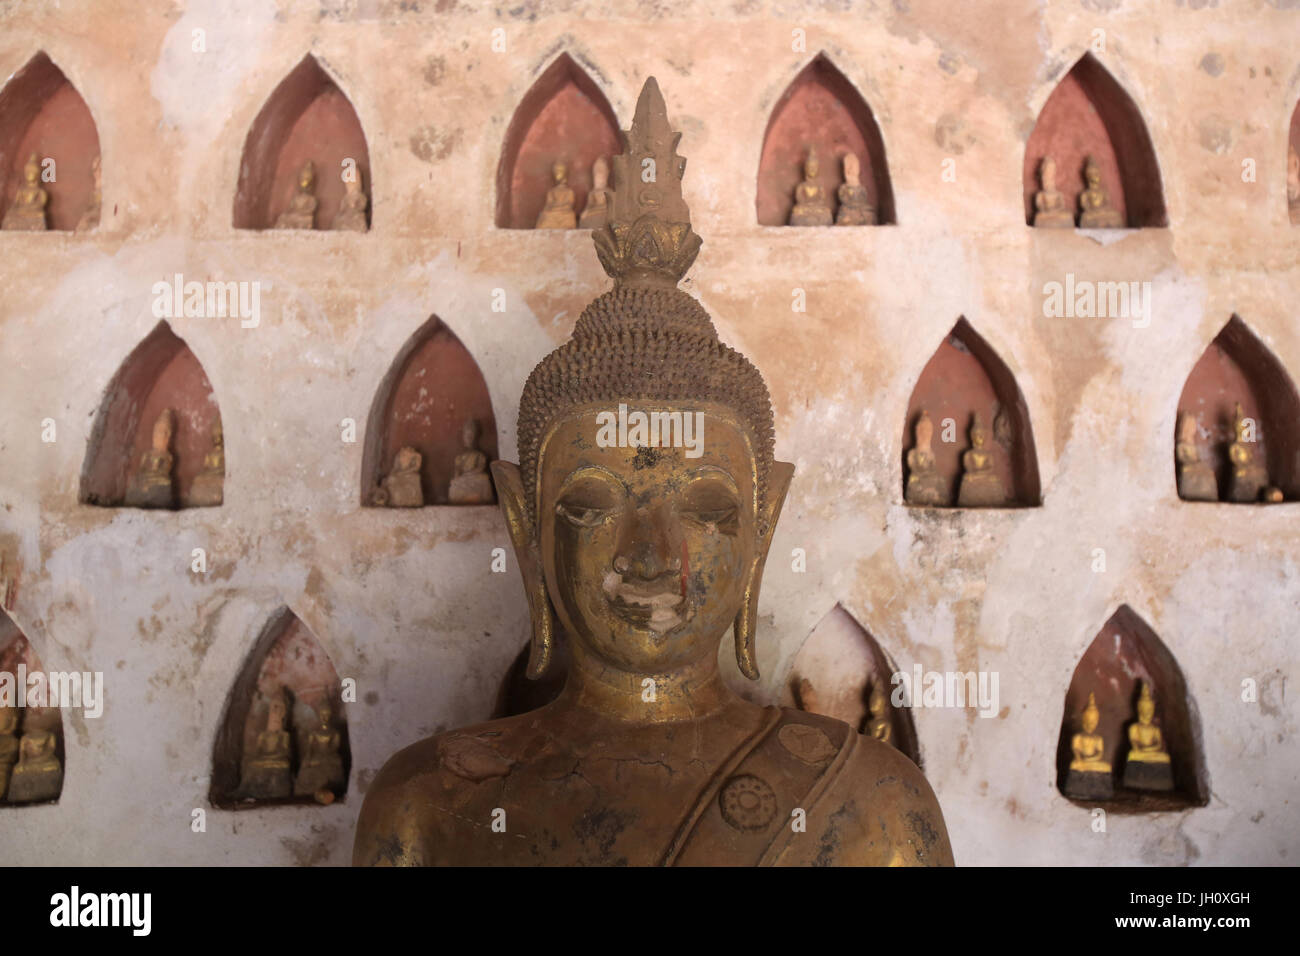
(158, 442)
(1089, 161)
(1128, 735)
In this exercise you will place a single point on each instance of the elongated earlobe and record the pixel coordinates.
(510, 492)
(746, 623)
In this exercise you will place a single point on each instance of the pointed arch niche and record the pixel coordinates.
(29, 735)
(820, 108)
(1126, 652)
(307, 117)
(965, 377)
(161, 373)
(432, 388)
(287, 663)
(1089, 114)
(1293, 167)
(842, 663)
(1237, 368)
(41, 112)
(563, 116)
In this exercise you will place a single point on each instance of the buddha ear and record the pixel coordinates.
(510, 492)
(778, 483)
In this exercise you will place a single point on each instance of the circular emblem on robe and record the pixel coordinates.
(807, 743)
(747, 803)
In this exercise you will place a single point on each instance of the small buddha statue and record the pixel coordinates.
(925, 486)
(1096, 212)
(90, 217)
(855, 205)
(1147, 766)
(401, 488)
(351, 216)
(1089, 776)
(558, 212)
(8, 745)
(1293, 183)
(1196, 479)
(38, 775)
(152, 485)
(812, 206)
(597, 212)
(206, 490)
(879, 722)
(27, 211)
(320, 774)
(301, 213)
(980, 486)
(1050, 210)
(470, 485)
(1249, 479)
(265, 773)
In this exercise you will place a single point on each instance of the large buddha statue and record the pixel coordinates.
(207, 487)
(265, 773)
(980, 485)
(558, 212)
(1050, 210)
(470, 485)
(855, 205)
(301, 213)
(1089, 776)
(320, 773)
(1095, 210)
(1249, 479)
(152, 486)
(1196, 480)
(812, 206)
(8, 745)
(38, 775)
(26, 213)
(925, 486)
(596, 213)
(646, 557)
(1148, 766)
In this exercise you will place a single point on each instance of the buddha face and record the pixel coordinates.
(811, 167)
(977, 436)
(1092, 173)
(1091, 717)
(1146, 710)
(851, 170)
(924, 431)
(306, 177)
(408, 459)
(560, 173)
(326, 715)
(32, 170)
(646, 551)
(1047, 174)
(275, 713)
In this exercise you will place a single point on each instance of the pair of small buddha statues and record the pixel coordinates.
(154, 484)
(558, 210)
(812, 203)
(27, 211)
(878, 723)
(267, 772)
(301, 212)
(1095, 210)
(30, 770)
(979, 486)
(470, 484)
(1248, 479)
(1146, 767)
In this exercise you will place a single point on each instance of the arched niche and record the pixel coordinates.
(841, 663)
(41, 112)
(432, 387)
(963, 378)
(518, 693)
(1089, 114)
(288, 663)
(306, 117)
(822, 109)
(1293, 167)
(31, 730)
(160, 373)
(563, 116)
(1125, 653)
(1237, 368)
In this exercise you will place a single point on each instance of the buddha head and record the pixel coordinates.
(469, 433)
(644, 502)
(163, 427)
(1047, 174)
(560, 172)
(1146, 705)
(978, 435)
(924, 431)
(407, 460)
(852, 169)
(1092, 173)
(325, 715)
(31, 170)
(306, 177)
(1091, 715)
(810, 165)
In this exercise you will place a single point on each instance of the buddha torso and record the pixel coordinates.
(27, 211)
(976, 460)
(272, 749)
(1088, 752)
(1147, 742)
(558, 212)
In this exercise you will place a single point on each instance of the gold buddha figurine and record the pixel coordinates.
(27, 211)
(153, 485)
(1249, 479)
(1196, 480)
(1089, 776)
(879, 724)
(38, 775)
(1049, 202)
(206, 491)
(470, 485)
(265, 774)
(980, 486)
(320, 773)
(1096, 212)
(558, 211)
(90, 216)
(8, 745)
(596, 214)
(402, 488)
(855, 205)
(1293, 183)
(351, 216)
(301, 213)
(1148, 766)
(925, 486)
(812, 207)
(646, 557)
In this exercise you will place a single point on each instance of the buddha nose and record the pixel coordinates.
(648, 548)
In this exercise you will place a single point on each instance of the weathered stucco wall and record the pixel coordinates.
(404, 602)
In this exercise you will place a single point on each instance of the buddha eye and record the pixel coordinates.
(588, 502)
(710, 502)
